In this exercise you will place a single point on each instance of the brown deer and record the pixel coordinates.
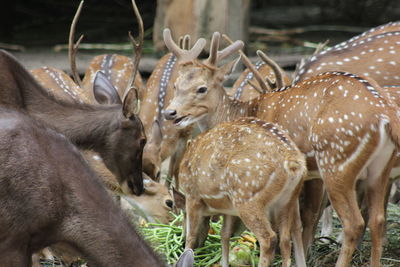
(112, 130)
(345, 124)
(225, 171)
(371, 54)
(41, 168)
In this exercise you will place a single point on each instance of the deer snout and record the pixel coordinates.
(136, 186)
(170, 114)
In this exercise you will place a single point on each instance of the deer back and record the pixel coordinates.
(373, 56)
(225, 167)
(117, 69)
(59, 85)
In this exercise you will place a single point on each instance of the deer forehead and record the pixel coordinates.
(191, 78)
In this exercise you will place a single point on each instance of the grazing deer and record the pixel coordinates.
(345, 124)
(225, 171)
(113, 130)
(372, 54)
(41, 168)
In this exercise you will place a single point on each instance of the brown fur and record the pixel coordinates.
(105, 129)
(41, 168)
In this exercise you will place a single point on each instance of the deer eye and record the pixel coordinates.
(201, 90)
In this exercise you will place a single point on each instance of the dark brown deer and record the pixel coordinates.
(41, 168)
(345, 124)
(112, 130)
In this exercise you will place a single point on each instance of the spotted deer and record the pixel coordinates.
(159, 92)
(372, 54)
(223, 171)
(345, 124)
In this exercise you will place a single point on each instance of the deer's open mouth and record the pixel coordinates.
(179, 120)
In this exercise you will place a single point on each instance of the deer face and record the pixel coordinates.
(152, 153)
(192, 98)
(198, 90)
(123, 148)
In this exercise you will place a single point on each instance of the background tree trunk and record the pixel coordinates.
(200, 18)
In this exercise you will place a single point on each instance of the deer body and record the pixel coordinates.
(224, 172)
(117, 69)
(344, 142)
(40, 168)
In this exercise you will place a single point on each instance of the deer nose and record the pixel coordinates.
(169, 114)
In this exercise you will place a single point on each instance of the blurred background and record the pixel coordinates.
(286, 29)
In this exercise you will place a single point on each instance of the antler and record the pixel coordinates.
(252, 68)
(277, 70)
(184, 42)
(137, 45)
(73, 47)
(183, 55)
(215, 55)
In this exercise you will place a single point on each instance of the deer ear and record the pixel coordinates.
(104, 92)
(186, 259)
(131, 103)
(156, 134)
(229, 67)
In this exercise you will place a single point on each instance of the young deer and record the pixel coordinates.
(41, 168)
(225, 171)
(345, 124)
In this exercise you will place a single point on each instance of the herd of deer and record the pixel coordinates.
(271, 154)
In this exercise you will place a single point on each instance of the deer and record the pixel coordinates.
(41, 167)
(345, 144)
(223, 171)
(370, 54)
(113, 130)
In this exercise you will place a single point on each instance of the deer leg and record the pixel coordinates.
(285, 221)
(296, 234)
(377, 188)
(226, 233)
(313, 194)
(344, 200)
(173, 169)
(326, 227)
(256, 221)
(194, 217)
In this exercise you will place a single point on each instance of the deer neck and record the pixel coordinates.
(227, 110)
(86, 126)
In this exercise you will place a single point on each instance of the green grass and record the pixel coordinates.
(168, 240)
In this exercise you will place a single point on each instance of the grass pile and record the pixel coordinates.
(168, 240)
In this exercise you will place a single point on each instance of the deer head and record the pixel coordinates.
(196, 78)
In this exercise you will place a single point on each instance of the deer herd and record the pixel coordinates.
(271, 153)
